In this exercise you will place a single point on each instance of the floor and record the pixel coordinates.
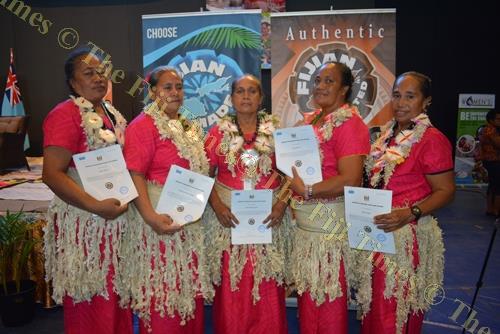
(467, 236)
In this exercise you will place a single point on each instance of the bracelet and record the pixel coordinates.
(308, 191)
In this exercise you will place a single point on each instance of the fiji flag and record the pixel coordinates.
(12, 104)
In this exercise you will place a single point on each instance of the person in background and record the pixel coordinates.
(320, 249)
(82, 233)
(413, 159)
(164, 267)
(249, 279)
(490, 156)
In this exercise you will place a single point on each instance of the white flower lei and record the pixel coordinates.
(187, 137)
(232, 144)
(92, 124)
(385, 159)
(333, 120)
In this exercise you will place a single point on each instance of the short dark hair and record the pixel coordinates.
(246, 75)
(492, 114)
(154, 76)
(70, 63)
(345, 74)
(424, 81)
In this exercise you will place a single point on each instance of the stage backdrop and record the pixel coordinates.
(210, 50)
(301, 42)
(472, 110)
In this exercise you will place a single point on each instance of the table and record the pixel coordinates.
(32, 197)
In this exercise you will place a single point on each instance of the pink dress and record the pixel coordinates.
(432, 155)
(235, 308)
(99, 314)
(350, 138)
(146, 153)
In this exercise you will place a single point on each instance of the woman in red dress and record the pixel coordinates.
(320, 248)
(413, 159)
(164, 267)
(250, 296)
(82, 233)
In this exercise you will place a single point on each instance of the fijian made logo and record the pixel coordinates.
(207, 84)
(301, 83)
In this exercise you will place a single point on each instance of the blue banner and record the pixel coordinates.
(210, 50)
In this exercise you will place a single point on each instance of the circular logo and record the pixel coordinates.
(123, 190)
(251, 221)
(298, 163)
(262, 228)
(108, 185)
(364, 88)
(434, 294)
(466, 144)
(310, 170)
(367, 229)
(188, 218)
(180, 208)
(207, 84)
(381, 237)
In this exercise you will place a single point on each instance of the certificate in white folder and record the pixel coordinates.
(184, 195)
(251, 207)
(361, 205)
(104, 174)
(298, 147)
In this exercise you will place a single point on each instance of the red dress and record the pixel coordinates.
(146, 153)
(431, 155)
(235, 309)
(100, 314)
(350, 138)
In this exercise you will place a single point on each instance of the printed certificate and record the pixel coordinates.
(361, 205)
(251, 207)
(184, 195)
(298, 147)
(104, 174)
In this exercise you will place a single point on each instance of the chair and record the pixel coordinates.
(12, 135)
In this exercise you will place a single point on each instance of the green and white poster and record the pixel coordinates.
(472, 110)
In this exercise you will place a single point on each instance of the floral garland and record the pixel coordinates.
(232, 144)
(187, 137)
(97, 137)
(333, 120)
(383, 160)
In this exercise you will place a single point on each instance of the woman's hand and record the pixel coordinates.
(390, 222)
(296, 184)
(110, 208)
(225, 216)
(276, 215)
(162, 224)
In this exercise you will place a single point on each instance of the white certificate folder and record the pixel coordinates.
(251, 207)
(298, 147)
(104, 174)
(184, 195)
(361, 205)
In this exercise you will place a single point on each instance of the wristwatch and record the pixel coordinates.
(415, 210)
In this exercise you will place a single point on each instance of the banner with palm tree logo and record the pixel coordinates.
(210, 50)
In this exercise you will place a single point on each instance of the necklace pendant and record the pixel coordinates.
(250, 159)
